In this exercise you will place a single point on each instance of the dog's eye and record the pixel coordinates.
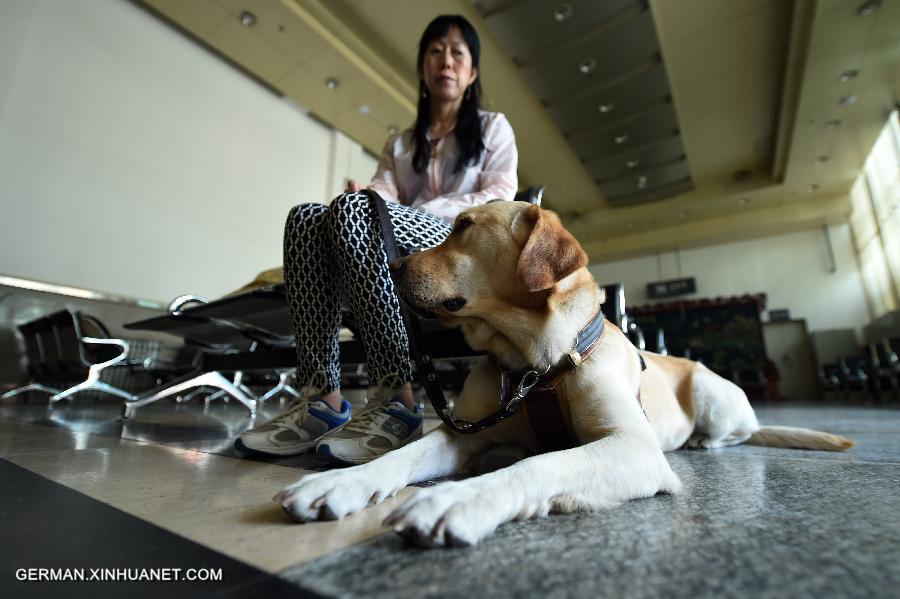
(461, 225)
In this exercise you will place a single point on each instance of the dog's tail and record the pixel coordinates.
(798, 438)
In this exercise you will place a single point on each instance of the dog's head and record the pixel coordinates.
(499, 255)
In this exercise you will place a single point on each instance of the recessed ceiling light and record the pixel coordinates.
(633, 163)
(811, 188)
(332, 83)
(847, 100)
(587, 66)
(563, 12)
(832, 124)
(642, 182)
(848, 75)
(248, 19)
(620, 139)
(605, 107)
(868, 8)
(393, 130)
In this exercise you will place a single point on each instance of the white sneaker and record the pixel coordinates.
(372, 433)
(295, 431)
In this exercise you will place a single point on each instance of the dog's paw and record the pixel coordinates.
(698, 441)
(332, 495)
(453, 514)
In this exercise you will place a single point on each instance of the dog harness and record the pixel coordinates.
(545, 405)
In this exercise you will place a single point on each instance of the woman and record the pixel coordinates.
(455, 156)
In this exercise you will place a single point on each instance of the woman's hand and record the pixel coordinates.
(353, 186)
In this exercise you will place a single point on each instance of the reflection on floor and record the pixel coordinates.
(752, 520)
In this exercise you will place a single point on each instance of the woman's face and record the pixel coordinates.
(447, 67)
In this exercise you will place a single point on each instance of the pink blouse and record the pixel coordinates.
(441, 191)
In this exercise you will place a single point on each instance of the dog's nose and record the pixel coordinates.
(455, 304)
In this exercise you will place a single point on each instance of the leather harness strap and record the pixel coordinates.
(545, 405)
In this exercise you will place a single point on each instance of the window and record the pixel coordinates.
(875, 220)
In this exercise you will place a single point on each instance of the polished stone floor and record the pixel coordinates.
(751, 521)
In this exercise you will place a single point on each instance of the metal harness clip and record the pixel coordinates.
(528, 381)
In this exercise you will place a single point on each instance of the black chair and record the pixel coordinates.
(635, 334)
(241, 324)
(64, 352)
(263, 315)
(532, 195)
(614, 305)
(854, 375)
(41, 354)
(655, 338)
(884, 370)
(891, 362)
(830, 381)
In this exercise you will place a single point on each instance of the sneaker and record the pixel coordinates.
(295, 431)
(374, 432)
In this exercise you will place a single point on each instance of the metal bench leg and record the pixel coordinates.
(30, 387)
(209, 379)
(189, 396)
(281, 387)
(93, 383)
(237, 381)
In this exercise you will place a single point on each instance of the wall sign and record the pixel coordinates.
(782, 315)
(672, 288)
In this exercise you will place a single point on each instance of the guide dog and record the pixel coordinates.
(517, 284)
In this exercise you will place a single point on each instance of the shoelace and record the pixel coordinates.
(368, 416)
(309, 392)
(288, 414)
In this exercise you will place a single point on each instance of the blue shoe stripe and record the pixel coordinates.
(330, 418)
(412, 422)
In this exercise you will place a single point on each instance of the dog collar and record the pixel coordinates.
(586, 341)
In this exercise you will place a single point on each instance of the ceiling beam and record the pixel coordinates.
(776, 220)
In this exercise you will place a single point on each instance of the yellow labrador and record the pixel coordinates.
(516, 282)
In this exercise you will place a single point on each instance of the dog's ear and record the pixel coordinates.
(550, 254)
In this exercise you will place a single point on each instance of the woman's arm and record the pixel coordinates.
(384, 183)
(498, 178)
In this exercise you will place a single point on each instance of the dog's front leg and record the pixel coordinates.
(337, 493)
(594, 476)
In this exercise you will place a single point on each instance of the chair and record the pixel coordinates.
(58, 349)
(635, 333)
(890, 361)
(78, 351)
(247, 323)
(40, 352)
(614, 305)
(883, 369)
(532, 195)
(656, 340)
(830, 382)
(854, 377)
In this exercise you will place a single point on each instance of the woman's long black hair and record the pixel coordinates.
(468, 124)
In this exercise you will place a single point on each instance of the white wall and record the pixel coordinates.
(134, 162)
(792, 270)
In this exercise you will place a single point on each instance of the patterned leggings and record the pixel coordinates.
(336, 251)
